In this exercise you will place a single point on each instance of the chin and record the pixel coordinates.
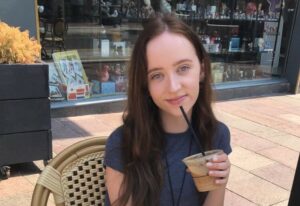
(172, 113)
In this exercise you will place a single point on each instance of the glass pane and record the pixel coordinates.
(242, 37)
(246, 40)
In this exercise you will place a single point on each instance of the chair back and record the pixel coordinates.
(75, 176)
(59, 28)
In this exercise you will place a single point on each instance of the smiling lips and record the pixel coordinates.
(176, 101)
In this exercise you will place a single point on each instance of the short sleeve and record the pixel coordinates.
(113, 156)
(222, 138)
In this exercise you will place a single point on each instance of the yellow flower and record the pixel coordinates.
(17, 46)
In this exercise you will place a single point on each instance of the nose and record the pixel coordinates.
(174, 83)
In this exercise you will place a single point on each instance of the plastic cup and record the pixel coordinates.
(197, 166)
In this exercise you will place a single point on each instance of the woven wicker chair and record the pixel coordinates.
(74, 177)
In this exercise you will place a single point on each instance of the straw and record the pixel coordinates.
(192, 130)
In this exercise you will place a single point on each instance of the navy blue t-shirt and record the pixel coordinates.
(177, 148)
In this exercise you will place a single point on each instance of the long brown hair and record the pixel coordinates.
(143, 135)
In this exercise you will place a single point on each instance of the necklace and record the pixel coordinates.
(170, 180)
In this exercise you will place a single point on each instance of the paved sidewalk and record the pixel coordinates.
(265, 135)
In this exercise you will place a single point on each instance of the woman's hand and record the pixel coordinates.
(219, 167)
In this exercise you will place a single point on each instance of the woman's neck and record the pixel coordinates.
(172, 124)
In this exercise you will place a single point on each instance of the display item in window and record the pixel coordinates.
(109, 79)
(72, 73)
(251, 8)
(57, 88)
(103, 73)
(274, 6)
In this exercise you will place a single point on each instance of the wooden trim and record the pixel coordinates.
(37, 23)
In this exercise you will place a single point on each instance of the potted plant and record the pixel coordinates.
(25, 124)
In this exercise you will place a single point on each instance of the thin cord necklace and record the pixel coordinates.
(170, 181)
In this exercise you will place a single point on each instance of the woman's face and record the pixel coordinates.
(173, 73)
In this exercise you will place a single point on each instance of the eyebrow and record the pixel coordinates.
(175, 64)
(181, 61)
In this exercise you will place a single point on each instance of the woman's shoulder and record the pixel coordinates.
(222, 138)
(114, 139)
(113, 151)
(222, 128)
(115, 136)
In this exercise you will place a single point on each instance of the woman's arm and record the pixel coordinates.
(219, 167)
(113, 181)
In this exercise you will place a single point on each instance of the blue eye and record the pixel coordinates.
(156, 76)
(183, 68)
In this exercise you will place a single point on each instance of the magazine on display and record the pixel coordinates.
(70, 70)
(56, 85)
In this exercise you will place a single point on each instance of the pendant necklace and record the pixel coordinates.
(170, 181)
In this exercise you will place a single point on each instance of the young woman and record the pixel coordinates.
(169, 68)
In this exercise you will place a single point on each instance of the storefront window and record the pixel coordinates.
(244, 39)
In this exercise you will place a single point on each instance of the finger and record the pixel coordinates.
(219, 173)
(221, 181)
(218, 166)
(219, 158)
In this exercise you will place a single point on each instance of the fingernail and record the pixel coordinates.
(209, 164)
(215, 158)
